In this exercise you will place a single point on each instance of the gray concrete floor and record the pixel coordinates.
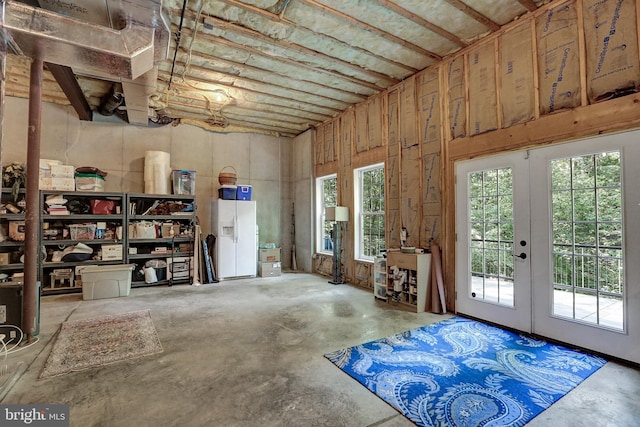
(250, 353)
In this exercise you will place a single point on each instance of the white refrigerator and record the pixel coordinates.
(234, 225)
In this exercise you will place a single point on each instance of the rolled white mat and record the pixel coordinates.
(157, 172)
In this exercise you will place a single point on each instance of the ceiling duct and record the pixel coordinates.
(125, 54)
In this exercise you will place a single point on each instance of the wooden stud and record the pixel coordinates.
(536, 78)
(582, 51)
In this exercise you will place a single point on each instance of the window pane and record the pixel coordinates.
(588, 230)
(372, 216)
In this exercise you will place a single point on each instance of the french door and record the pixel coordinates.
(548, 241)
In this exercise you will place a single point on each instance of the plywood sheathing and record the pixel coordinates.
(483, 115)
(612, 48)
(517, 101)
(363, 274)
(558, 58)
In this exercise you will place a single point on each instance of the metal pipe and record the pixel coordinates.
(178, 38)
(32, 211)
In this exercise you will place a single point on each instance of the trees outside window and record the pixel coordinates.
(370, 211)
(326, 196)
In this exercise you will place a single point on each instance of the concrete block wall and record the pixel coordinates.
(119, 149)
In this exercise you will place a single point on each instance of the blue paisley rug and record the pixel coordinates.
(460, 372)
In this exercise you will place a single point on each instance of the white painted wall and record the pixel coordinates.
(119, 149)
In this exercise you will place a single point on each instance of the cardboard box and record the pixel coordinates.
(269, 255)
(58, 184)
(4, 258)
(269, 269)
(167, 230)
(45, 167)
(111, 252)
(62, 171)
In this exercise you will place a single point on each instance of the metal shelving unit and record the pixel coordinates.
(48, 268)
(186, 221)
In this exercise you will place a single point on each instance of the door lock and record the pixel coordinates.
(521, 256)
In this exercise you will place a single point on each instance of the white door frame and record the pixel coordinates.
(518, 316)
(626, 343)
(538, 317)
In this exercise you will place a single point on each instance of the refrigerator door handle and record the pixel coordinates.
(235, 229)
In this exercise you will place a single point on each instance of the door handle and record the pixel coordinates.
(521, 256)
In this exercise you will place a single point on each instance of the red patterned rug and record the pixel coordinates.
(84, 344)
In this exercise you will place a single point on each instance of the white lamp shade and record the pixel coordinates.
(337, 213)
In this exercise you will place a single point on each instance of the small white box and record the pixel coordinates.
(63, 184)
(44, 183)
(106, 281)
(62, 171)
(111, 252)
(179, 268)
(269, 269)
(45, 167)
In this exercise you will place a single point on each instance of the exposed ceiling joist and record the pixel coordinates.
(356, 22)
(334, 40)
(474, 14)
(529, 4)
(320, 60)
(218, 64)
(421, 21)
(269, 66)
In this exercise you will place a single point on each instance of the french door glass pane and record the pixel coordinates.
(491, 243)
(588, 267)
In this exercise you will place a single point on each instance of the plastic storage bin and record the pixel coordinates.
(184, 182)
(106, 281)
(82, 231)
(89, 182)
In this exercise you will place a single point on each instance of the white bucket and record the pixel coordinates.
(157, 172)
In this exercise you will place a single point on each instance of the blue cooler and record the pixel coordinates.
(243, 192)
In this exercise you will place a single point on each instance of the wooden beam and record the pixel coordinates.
(358, 23)
(616, 114)
(276, 18)
(461, 6)
(529, 4)
(421, 21)
(66, 78)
